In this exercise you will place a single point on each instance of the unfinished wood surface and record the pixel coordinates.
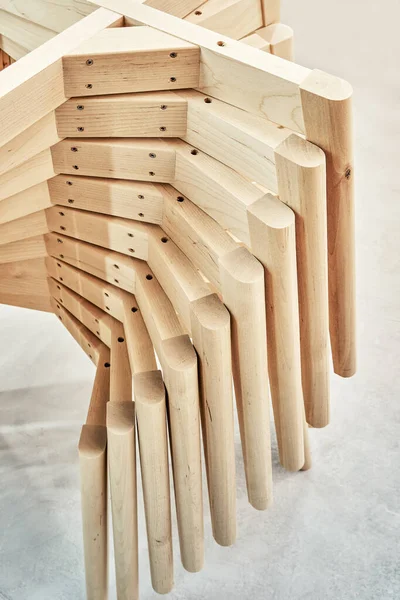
(36, 138)
(141, 201)
(143, 159)
(272, 232)
(139, 344)
(51, 14)
(156, 114)
(121, 423)
(302, 186)
(270, 86)
(34, 224)
(24, 283)
(5, 59)
(276, 39)
(234, 18)
(211, 335)
(24, 32)
(36, 169)
(238, 139)
(25, 203)
(151, 417)
(242, 286)
(327, 106)
(29, 248)
(130, 60)
(34, 86)
(10, 47)
(271, 11)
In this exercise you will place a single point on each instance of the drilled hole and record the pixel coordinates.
(194, 152)
(58, 287)
(59, 265)
(80, 128)
(220, 43)
(61, 300)
(116, 281)
(121, 339)
(164, 240)
(131, 250)
(80, 107)
(68, 182)
(152, 155)
(172, 79)
(62, 228)
(70, 201)
(59, 241)
(130, 235)
(106, 364)
(347, 173)
(173, 54)
(89, 61)
(163, 107)
(74, 149)
(60, 317)
(98, 332)
(96, 320)
(89, 86)
(106, 294)
(141, 197)
(89, 346)
(107, 308)
(75, 167)
(151, 173)
(134, 309)
(61, 279)
(58, 306)
(140, 215)
(281, 127)
(116, 267)
(180, 198)
(149, 277)
(198, 13)
(61, 255)
(90, 356)
(163, 129)
(207, 100)
(61, 214)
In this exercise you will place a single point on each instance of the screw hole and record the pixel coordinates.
(141, 197)
(198, 12)
(80, 107)
(68, 182)
(70, 201)
(61, 255)
(58, 287)
(96, 320)
(164, 240)
(107, 308)
(220, 43)
(152, 155)
(116, 267)
(106, 364)
(98, 332)
(172, 79)
(173, 54)
(140, 215)
(75, 167)
(62, 228)
(61, 214)
(163, 107)
(81, 128)
(134, 309)
(194, 152)
(61, 279)
(106, 294)
(130, 235)
(281, 127)
(121, 339)
(180, 198)
(207, 100)
(131, 250)
(89, 346)
(149, 277)
(163, 129)
(61, 300)
(59, 265)
(58, 306)
(60, 317)
(151, 173)
(347, 173)
(74, 149)
(89, 86)
(116, 281)
(59, 241)
(89, 62)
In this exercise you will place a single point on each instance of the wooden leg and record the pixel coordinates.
(272, 233)
(122, 467)
(211, 337)
(327, 110)
(152, 434)
(242, 285)
(181, 379)
(302, 186)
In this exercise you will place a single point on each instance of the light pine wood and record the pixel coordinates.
(327, 107)
(29, 35)
(151, 417)
(25, 203)
(123, 115)
(276, 39)
(271, 86)
(211, 332)
(14, 50)
(271, 11)
(139, 344)
(234, 18)
(122, 467)
(130, 60)
(302, 186)
(142, 201)
(24, 283)
(34, 85)
(117, 158)
(36, 169)
(27, 249)
(22, 228)
(35, 139)
(5, 59)
(272, 231)
(242, 285)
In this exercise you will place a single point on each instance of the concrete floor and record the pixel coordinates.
(333, 532)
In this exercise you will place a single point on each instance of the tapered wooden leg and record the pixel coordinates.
(302, 186)
(93, 471)
(122, 467)
(211, 337)
(242, 285)
(152, 434)
(272, 233)
(181, 380)
(327, 110)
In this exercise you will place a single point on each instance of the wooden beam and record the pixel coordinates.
(24, 283)
(52, 14)
(234, 18)
(276, 39)
(25, 203)
(22, 31)
(271, 11)
(22, 228)
(120, 60)
(32, 247)
(156, 114)
(15, 51)
(35, 170)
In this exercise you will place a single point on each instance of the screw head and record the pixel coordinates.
(173, 54)
(80, 107)
(89, 62)
(80, 128)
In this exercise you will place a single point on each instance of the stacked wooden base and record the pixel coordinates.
(169, 192)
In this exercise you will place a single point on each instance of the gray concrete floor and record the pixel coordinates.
(333, 532)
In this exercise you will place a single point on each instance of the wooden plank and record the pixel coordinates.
(24, 283)
(276, 39)
(156, 114)
(120, 60)
(238, 139)
(271, 11)
(35, 139)
(24, 32)
(143, 159)
(35, 170)
(34, 85)
(11, 48)
(141, 201)
(53, 14)
(234, 18)
(25, 227)
(25, 203)
(33, 247)
(269, 86)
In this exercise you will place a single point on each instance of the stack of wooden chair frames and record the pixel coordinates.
(168, 191)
